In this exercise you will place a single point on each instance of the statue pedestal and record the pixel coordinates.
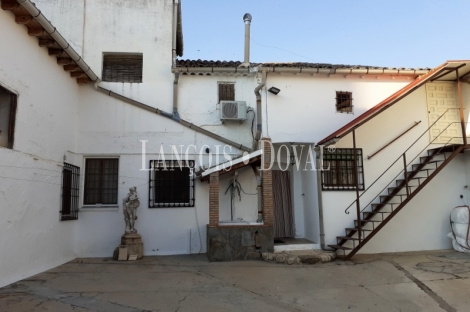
(133, 243)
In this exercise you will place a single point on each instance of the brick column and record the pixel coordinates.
(214, 199)
(267, 180)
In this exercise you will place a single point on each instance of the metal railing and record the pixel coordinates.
(402, 171)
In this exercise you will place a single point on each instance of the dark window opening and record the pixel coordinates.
(101, 181)
(339, 171)
(7, 117)
(171, 184)
(344, 102)
(122, 68)
(226, 92)
(70, 192)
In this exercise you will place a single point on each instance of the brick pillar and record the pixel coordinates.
(267, 180)
(214, 199)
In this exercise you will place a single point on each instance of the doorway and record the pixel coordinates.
(441, 97)
(283, 213)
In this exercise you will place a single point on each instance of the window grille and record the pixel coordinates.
(338, 169)
(344, 102)
(171, 184)
(70, 192)
(226, 92)
(122, 68)
(7, 117)
(101, 181)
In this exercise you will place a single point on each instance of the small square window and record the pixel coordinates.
(344, 102)
(171, 184)
(125, 68)
(101, 181)
(7, 117)
(226, 91)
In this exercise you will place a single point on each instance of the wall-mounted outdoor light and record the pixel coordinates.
(274, 90)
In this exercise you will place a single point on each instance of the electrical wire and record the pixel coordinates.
(252, 121)
(266, 46)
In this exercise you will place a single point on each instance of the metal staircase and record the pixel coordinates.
(411, 179)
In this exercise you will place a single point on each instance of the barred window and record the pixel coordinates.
(7, 117)
(122, 68)
(70, 192)
(226, 91)
(171, 184)
(344, 102)
(338, 169)
(101, 181)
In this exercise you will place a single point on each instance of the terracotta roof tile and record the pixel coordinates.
(210, 63)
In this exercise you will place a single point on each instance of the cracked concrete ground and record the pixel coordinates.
(422, 281)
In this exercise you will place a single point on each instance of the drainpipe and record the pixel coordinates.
(319, 159)
(259, 190)
(175, 30)
(52, 31)
(258, 110)
(176, 115)
(259, 126)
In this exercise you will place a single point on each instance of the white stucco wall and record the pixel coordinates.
(304, 110)
(423, 223)
(32, 237)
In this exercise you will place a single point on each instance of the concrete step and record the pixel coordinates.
(299, 257)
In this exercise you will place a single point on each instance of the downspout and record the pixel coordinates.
(175, 30)
(176, 115)
(259, 123)
(52, 31)
(319, 161)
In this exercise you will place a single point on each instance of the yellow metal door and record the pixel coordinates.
(441, 97)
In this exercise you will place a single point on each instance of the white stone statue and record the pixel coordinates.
(131, 203)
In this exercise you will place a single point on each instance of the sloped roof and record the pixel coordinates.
(444, 72)
(221, 64)
(47, 38)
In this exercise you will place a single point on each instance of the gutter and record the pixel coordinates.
(52, 31)
(301, 70)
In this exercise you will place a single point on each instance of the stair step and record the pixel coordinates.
(375, 212)
(402, 181)
(414, 166)
(339, 247)
(428, 159)
(356, 229)
(346, 238)
(391, 199)
(392, 189)
(418, 171)
(367, 221)
(382, 205)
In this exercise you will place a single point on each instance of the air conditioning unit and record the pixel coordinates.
(233, 110)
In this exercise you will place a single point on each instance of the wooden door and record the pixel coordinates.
(283, 214)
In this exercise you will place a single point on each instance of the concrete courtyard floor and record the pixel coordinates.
(423, 281)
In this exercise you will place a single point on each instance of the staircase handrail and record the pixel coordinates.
(401, 156)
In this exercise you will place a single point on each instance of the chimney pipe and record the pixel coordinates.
(247, 19)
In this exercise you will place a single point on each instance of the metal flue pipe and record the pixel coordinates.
(247, 19)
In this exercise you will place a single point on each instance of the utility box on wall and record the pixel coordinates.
(232, 110)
